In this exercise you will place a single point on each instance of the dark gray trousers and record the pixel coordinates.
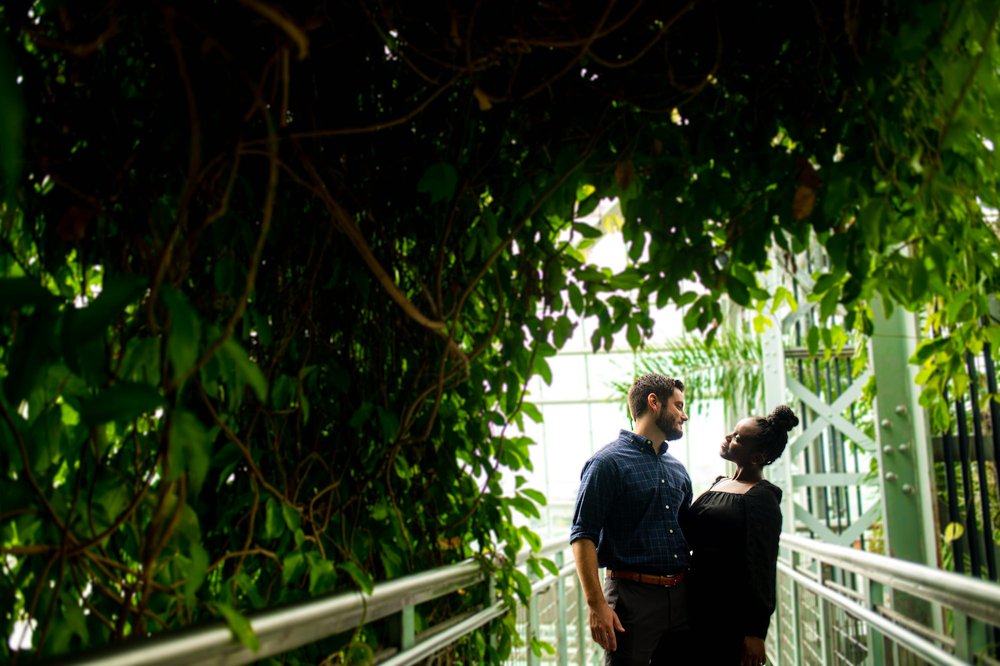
(658, 630)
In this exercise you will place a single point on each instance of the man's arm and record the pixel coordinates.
(603, 621)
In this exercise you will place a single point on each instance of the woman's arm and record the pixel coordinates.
(763, 516)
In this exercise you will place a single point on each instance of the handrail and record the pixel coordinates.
(977, 598)
(293, 626)
(445, 638)
(903, 635)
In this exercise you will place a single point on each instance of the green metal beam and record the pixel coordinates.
(904, 452)
(904, 447)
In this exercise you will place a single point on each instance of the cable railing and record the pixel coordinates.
(840, 605)
(283, 629)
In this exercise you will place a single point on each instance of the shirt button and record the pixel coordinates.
(668, 506)
(671, 531)
(675, 556)
(663, 480)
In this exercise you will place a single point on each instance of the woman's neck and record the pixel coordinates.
(748, 474)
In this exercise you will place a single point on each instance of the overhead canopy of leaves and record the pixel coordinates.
(274, 277)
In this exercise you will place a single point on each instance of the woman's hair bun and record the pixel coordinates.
(783, 417)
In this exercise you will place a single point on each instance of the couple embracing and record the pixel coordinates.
(687, 581)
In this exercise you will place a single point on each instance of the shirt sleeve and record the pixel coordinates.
(593, 500)
(763, 516)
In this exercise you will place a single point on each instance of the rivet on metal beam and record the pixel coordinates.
(887, 449)
(907, 489)
(887, 424)
(901, 410)
(904, 447)
(890, 476)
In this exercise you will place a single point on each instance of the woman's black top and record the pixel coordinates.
(734, 542)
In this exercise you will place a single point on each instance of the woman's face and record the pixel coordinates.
(742, 445)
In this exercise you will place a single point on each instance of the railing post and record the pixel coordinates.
(533, 624)
(774, 634)
(562, 633)
(822, 610)
(796, 615)
(402, 628)
(970, 636)
(875, 595)
(581, 624)
(491, 595)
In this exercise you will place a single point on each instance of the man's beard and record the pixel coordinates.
(669, 426)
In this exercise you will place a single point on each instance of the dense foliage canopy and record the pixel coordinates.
(273, 278)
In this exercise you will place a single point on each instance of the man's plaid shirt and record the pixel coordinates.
(629, 504)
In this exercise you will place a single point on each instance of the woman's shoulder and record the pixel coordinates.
(764, 489)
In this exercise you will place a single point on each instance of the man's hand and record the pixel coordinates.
(753, 652)
(603, 624)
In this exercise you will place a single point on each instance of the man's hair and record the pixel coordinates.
(654, 382)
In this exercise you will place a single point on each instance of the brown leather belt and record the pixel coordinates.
(648, 579)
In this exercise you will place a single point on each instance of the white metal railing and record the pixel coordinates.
(282, 629)
(840, 605)
(836, 605)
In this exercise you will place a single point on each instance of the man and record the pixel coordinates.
(627, 519)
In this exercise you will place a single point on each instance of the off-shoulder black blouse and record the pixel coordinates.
(734, 542)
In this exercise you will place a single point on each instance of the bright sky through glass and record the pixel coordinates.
(582, 410)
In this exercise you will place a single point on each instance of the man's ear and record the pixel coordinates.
(652, 401)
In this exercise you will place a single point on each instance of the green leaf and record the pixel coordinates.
(358, 575)
(828, 306)
(322, 576)
(361, 415)
(533, 540)
(634, 335)
(523, 585)
(825, 282)
(274, 522)
(196, 571)
(812, 340)
(562, 330)
(550, 566)
(538, 646)
(117, 293)
(738, 291)
(189, 448)
(531, 411)
(575, 298)
(246, 370)
(535, 495)
(12, 121)
(389, 423)
(239, 625)
(293, 519)
(16, 293)
(185, 332)
(587, 230)
(28, 358)
(224, 274)
(524, 506)
(122, 402)
(293, 567)
(953, 532)
(542, 369)
(439, 181)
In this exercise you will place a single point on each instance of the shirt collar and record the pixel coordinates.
(642, 443)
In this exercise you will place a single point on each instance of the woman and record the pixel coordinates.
(733, 531)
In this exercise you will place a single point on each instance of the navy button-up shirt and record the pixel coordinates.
(629, 504)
